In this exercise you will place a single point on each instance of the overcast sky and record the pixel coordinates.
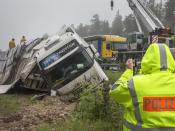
(33, 18)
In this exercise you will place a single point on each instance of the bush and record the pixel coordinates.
(95, 111)
(95, 105)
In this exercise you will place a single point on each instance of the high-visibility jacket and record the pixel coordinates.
(12, 44)
(149, 98)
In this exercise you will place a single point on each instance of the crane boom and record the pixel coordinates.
(153, 16)
(157, 31)
(144, 14)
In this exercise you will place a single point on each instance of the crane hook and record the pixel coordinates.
(112, 4)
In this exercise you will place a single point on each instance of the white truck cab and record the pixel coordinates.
(66, 60)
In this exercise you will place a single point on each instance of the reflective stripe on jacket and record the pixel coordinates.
(149, 98)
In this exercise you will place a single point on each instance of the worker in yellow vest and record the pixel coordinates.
(12, 44)
(23, 40)
(148, 98)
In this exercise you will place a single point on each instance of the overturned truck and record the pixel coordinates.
(60, 62)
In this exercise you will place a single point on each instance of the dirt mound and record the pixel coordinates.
(27, 119)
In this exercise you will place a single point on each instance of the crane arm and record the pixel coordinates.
(144, 14)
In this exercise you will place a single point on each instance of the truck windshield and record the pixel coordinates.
(70, 68)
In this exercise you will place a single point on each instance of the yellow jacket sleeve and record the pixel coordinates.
(119, 91)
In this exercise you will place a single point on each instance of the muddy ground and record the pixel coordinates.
(30, 116)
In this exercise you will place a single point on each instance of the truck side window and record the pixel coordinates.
(108, 46)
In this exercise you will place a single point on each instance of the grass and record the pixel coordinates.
(11, 103)
(113, 75)
(77, 125)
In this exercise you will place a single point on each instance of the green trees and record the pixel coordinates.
(102, 27)
(117, 25)
(157, 9)
(105, 27)
(96, 27)
(165, 11)
(82, 30)
(170, 13)
(130, 23)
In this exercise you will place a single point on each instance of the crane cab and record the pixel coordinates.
(136, 41)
